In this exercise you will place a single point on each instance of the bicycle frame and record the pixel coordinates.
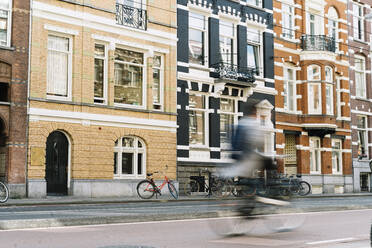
(160, 187)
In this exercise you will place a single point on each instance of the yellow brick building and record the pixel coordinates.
(102, 97)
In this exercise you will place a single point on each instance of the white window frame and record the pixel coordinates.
(234, 41)
(69, 68)
(365, 130)
(339, 155)
(288, 30)
(119, 149)
(356, 19)
(9, 23)
(259, 46)
(313, 155)
(338, 93)
(329, 85)
(257, 4)
(144, 78)
(286, 94)
(312, 82)
(362, 85)
(235, 115)
(333, 19)
(206, 119)
(205, 37)
(105, 73)
(161, 84)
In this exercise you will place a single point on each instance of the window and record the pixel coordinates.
(289, 89)
(158, 79)
(253, 49)
(5, 22)
(329, 90)
(129, 88)
(358, 21)
(360, 76)
(4, 92)
(315, 161)
(362, 136)
(100, 78)
(227, 42)
(312, 24)
(314, 90)
(333, 24)
(197, 34)
(257, 3)
(228, 117)
(198, 119)
(59, 67)
(336, 156)
(338, 92)
(288, 21)
(129, 158)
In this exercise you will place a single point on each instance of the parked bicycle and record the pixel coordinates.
(216, 186)
(4, 192)
(146, 189)
(291, 185)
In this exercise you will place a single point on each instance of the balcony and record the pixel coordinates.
(233, 72)
(318, 43)
(131, 16)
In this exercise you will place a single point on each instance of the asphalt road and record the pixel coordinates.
(87, 214)
(331, 229)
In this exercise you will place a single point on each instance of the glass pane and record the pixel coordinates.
(156, 86)
(290, 97)
(227, 105)
(226, 28)
(252, 56)
(196, 21)
(4, 4)
(128, 84)
(226, 49)
(57, 73)
(254, 2)
(197, 101)
(127, 163)
(196, 47)
(128, 56)
(98, 77)
(58, 43)
(139, 164)
(196, 127)
(316, 96)
(116, 163)
(139, 144)
(253, 35)
(157, 61)
(361, 122)
(99, 50)
(328, 74)
(128, 142)
(226, 127)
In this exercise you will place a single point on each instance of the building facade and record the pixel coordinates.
(224, 57)
(102, 100)
(14, 43)
(359, 45)
(312, 104)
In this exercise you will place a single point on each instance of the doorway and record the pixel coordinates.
(364, 182)
(56, 171)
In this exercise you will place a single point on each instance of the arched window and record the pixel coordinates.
(333, 24)
(129, 158)
(314, 89)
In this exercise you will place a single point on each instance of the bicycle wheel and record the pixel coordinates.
(145, 189)
(222, 188)
(304, 188)
(4, 193)
(191, 187)
(173, 190)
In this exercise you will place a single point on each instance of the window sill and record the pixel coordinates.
(7, 48)
(59, 98)
(129, 106)
(200, 67)
(315, 172)
(203, 147)
(295, 41)
(139, 177)
(5, 103)
(361, 41)
(361, 98)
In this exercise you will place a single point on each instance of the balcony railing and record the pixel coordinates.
(318, 43)
(234, 72)
(131, 16)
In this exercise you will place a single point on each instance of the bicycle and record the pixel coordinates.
(147, 188)
(216, 186)
(4, 192)
(291, 185)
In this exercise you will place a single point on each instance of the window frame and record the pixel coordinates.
(313, 155)
(356, 19)
(119, 149)
(144, 77)
(235, 115)
(333, 19)
(68, 97)
(329, 84)
(205, 38)
(365, 130)
(259, 48)
(161, 84)
(362, 74)
(233, 41)
(105, 74)
(338, 95)
(286, 83)
(9, 24)
(205, 112)
(288, 32)
(258, 3)
(339, 154)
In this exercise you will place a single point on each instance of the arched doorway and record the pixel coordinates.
(57, 148)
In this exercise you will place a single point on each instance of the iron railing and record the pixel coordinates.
(131, 16)
(234, 72)
(318, 43)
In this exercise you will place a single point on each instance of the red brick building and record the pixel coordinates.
(14, 43)
(312, 105)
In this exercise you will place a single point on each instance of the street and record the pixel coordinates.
(332, 229)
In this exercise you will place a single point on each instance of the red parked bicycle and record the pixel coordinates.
(146, 189)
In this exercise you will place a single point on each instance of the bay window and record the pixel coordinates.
(59, 63)
(197, 34)
(329, 90)
(129, 85)
(197, 119)
(314, 89)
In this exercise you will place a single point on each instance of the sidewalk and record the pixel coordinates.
(53, 200)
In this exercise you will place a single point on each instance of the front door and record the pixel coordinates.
(56, 164)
